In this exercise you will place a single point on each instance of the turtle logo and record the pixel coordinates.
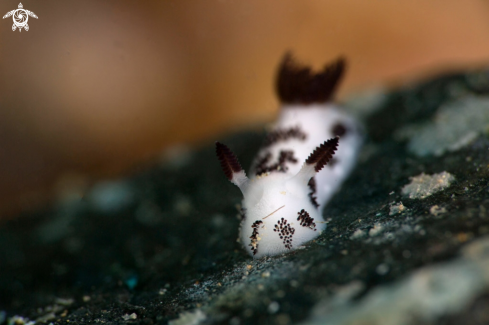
(20, 17)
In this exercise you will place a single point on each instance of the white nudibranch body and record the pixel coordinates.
(284, 199)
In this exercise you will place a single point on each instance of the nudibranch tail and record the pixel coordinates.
(231, 166)
(298, 84)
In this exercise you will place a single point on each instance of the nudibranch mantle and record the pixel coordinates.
(310, 150)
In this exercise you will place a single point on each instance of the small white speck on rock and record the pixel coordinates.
(436, 210)
(382, 269)
(273, 307)
(397, 208)
(189, 318)
(64, 301)
(377, 229)
(294, 283)
(424, 185)
(110, 196)
(359, 233)
(129, 316)
(19, 320)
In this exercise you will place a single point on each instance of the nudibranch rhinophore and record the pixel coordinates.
(310, 150)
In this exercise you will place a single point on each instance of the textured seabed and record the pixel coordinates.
(160, 246)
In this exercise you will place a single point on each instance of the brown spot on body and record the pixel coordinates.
(306, 220)
(285, 232)
(261, 163)
(254, 236)
(280, 135)
(339, 129)
(285, 156)
(297, 83)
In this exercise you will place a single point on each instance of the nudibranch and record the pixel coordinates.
(309, 152)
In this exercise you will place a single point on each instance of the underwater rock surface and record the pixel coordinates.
(160, 247)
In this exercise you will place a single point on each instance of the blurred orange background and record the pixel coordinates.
(95, 88)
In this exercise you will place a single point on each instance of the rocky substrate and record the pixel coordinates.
(407, 240)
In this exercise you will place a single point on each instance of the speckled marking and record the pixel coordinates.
(281, 135)
(285, 156)
(306, 220)
(285, 232)
(255, 236)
